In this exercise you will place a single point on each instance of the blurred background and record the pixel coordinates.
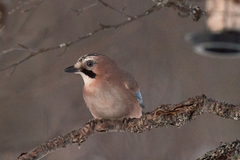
(39, 101)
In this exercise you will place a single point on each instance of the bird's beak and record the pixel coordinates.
(71, 69)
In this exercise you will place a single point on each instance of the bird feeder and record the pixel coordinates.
(222, 39)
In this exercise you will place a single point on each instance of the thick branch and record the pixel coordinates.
(164, 115)
(229, 150)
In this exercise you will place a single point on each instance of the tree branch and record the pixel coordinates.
(181, 6)
(228, 150)
(67, 44)
(22, 4)
(164, 115)
(184, 8)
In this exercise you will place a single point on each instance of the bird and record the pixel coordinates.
(109, 91)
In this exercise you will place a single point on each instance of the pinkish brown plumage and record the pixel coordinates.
(109, 91)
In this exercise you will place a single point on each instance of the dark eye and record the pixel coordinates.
(89, 63)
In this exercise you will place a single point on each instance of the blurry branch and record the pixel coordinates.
(79, 11)
(228, 150)
(183, 7)
(164, 116)
(2, 16)
(180, 6)
(22, 4)
(67, 44)
(31, 54)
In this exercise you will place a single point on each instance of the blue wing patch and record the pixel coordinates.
(140, 99)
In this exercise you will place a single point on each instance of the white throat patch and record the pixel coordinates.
(87, 80)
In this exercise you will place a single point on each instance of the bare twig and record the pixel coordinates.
(33, 7)
(164, 115)
(181, 6)
(1, 28)
(79, 11)
(12, 49)
(2, 15)
(31, 54)
(22, 4)
(67, 44)
(111, 7)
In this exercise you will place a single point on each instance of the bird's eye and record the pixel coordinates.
(89, 63)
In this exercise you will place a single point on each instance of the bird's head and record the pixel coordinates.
(92, 66)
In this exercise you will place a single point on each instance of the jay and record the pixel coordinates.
(109, 91)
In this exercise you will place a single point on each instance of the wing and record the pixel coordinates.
(139, 98)
(132, 85)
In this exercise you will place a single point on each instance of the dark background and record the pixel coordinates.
(39, 101)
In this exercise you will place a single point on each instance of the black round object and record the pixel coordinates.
(224, 45)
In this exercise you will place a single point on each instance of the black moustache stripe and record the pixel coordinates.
(90, 74)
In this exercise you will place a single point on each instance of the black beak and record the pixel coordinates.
(71, 69)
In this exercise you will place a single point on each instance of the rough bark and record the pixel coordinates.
(162, 116)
